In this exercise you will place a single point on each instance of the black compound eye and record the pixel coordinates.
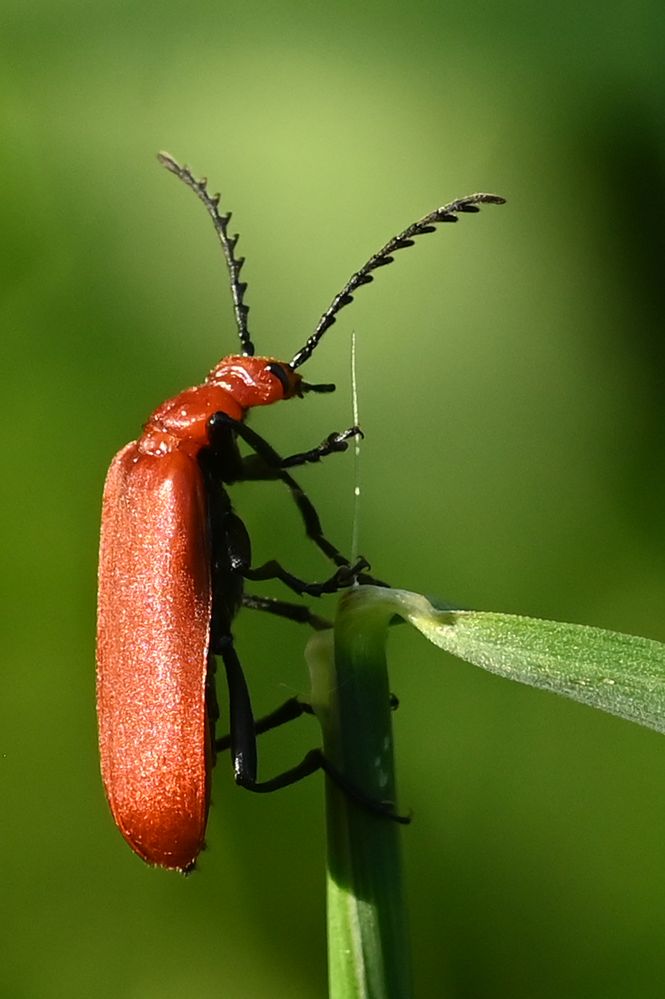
(278, 371)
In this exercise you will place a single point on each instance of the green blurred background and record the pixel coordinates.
(511, 392)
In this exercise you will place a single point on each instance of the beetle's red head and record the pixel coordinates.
(260, 381)
(255, 381)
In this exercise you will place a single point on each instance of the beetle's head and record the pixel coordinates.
(260, 381)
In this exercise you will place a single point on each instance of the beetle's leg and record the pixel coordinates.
(331, 445)
(286, 712)
(255, 468)
(310, 517)
(282, 608)
(243, 746)
(266, 463)
(227, 460)
(242, 739)
(289, 711)
(346, 575)
(315, 760)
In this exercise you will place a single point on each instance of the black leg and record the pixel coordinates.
(282, 608)
(306, 508)
(286, 712)
(289, 711)
(266, 463)
(315, 760)
(332, 444)
(242, 742)
(225, 456)
(242, 739)
(346, 575)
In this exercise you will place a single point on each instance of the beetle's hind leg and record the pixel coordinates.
(294, 707)
(288, 711)
(242, 742)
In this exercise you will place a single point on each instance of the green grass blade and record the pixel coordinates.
(367, 938)
(621, 674)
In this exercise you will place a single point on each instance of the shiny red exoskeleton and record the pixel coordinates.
(154, 610)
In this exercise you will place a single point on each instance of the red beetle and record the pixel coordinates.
(173, 560)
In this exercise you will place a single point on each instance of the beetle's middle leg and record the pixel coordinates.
(284, 608)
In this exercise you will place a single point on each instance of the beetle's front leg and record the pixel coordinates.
(331, 445)
(265, 463)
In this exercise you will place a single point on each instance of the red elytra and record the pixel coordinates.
(154, 609)
(155, 604)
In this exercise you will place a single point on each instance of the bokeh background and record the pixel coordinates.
(510, 375)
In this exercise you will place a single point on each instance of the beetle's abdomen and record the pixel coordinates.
(152, 645)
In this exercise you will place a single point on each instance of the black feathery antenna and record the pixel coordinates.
(448, 213)
(220, 222)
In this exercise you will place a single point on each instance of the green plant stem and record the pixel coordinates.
(367, 935)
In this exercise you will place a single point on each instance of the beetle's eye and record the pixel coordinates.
(278, 371)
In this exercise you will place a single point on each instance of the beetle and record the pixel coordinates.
(173, 560)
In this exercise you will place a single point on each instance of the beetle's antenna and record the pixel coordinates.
(220, 222)
(448, 213)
